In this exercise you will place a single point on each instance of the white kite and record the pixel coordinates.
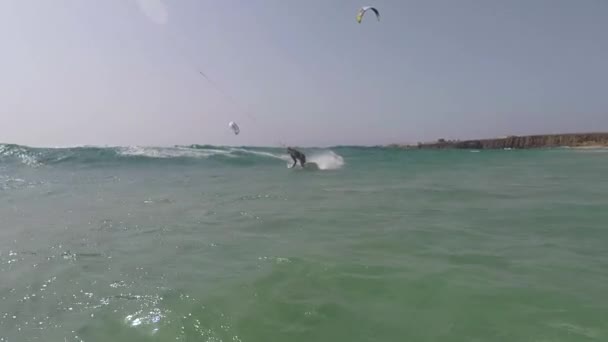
(235, 128)
(364, 9)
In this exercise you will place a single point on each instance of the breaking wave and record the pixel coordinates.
(37, 157)
(327, 160)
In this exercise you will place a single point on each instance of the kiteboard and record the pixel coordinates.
(309, 166)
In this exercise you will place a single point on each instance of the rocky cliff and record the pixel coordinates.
(519, 142)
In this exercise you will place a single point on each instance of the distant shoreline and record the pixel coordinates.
(574, 140)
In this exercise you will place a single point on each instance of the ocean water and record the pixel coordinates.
(207, 243)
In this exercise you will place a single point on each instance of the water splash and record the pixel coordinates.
(327, 160)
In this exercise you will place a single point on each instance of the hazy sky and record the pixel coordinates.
(125, 72)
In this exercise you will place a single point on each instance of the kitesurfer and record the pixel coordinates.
(296, 156)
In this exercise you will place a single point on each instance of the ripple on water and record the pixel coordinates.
(148, 320)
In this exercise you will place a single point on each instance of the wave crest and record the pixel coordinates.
(29, 156)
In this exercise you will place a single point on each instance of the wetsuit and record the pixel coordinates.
(296, 156)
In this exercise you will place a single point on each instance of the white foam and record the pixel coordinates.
(261, 153)
(327, 160)
(188, 152)
(173, 152)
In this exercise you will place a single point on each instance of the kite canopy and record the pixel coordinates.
(364, 9)
(235, 128)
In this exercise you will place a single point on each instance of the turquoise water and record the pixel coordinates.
(207, 243)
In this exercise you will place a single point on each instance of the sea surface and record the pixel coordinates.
(204, 243)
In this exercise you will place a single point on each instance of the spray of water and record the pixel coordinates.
(327, 160)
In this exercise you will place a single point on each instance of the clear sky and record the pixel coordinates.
(125, 72)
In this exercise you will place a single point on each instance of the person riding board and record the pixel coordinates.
(296, 156)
